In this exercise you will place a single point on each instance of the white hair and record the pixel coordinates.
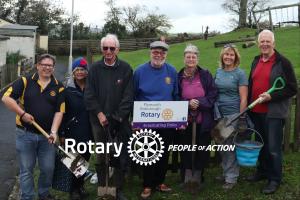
(110, 36)
(190, 48)
(266, 31)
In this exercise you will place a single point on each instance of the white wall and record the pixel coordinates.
(44, 42)
(24, 44)
(3, 50)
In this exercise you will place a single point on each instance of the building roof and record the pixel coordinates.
(17, 26)
(2, 37)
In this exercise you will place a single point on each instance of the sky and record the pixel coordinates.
(189, 16)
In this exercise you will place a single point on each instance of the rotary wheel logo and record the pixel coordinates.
(145, 147)
(167, 114)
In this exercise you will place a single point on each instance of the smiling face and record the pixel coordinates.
(80, 74)
(228, 58)
(45, 68)
(109, 50)
(158, 57)
(190, 60)
(266, 44)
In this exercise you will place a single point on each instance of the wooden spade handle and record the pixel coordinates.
(40, 129)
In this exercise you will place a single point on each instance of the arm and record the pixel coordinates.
(125, 106)
(12, 105)
(55, 126)
(243, 91)
(90, 97)
(207, 102)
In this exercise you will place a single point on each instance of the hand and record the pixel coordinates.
(182, 127)
(27, 118)
(102, 119)
(194, 104)
(265, 97)
(53, 137)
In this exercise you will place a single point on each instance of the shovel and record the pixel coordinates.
(73, 161)
(224, 128)
(107, 192)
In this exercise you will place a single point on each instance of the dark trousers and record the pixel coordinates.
(119, 163)
(270, 157)
(155, 174)
(201, 157)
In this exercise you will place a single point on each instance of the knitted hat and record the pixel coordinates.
(79, 62)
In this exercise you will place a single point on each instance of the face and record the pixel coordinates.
(158, 57)
(109, 50)
(80, 74)
(266, 44)
(228, 58)
(190, 60)
(45, 68)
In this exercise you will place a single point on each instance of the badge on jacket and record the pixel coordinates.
(168, 80)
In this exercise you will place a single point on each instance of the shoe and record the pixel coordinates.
(228, 186)
(256, 177)
(94, 179)
(146, 193)
(271, 187)
(163, 188)
(48, 197)
(88, 174)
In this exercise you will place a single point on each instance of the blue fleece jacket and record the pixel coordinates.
(155, 84)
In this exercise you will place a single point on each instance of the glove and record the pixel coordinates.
(242, 124)
(114, 125)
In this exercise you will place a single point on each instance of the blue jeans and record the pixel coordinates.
(31, 146)
(270, 156)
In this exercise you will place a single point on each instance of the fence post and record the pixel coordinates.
(297, 122)
(287, 129)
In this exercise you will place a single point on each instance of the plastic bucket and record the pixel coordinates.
(247, 150)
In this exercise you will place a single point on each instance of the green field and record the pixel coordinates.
(287, 42)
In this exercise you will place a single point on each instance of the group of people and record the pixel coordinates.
(101, 96)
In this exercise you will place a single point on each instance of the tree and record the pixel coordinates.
(6, 9)
(145, 24)
(113, 21)
(234, 7)
(243, 14)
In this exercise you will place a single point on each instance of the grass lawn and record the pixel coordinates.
(212, 190)
(287, 42)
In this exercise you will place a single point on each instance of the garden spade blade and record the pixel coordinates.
(73, 161)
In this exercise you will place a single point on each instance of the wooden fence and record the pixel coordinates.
(92, 47)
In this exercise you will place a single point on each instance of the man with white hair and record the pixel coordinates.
(109, 99)
(268, 116)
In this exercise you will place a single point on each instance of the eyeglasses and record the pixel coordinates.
(156, 53)
(112, 49)
(229, 46)
(47, 65)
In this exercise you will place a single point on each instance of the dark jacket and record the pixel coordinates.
(76, 122)
(206, 103)
(278, 106)
(109, 90)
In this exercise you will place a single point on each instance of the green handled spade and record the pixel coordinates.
(277, 85)
(224, 127)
